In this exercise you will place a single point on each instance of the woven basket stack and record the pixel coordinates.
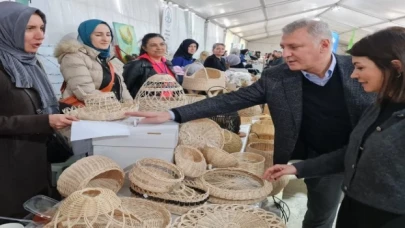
(163, 182)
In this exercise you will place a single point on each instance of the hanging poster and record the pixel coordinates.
(335, 42)
(125, 40)
(167, 26)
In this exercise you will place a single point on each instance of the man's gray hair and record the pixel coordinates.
(217, 44)
(317, 29)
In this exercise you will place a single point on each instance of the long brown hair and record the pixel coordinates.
(382, 48)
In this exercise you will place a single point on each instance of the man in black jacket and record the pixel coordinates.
(313, 102)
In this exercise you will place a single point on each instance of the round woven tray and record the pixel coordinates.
(190, 160)
(235, 184)
(216, 200)
(151, 214)
(264, 149)
(263, 127)
(251, 111)
(228, 216)
(92, 171)
(155, 175)
(233, 143)
(263, 138)
(251, 162)
(201, 133)
(182, 196)
(219, 158)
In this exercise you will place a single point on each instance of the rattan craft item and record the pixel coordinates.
(233, 143)
(251, 111)
(201, 133)
(92, 171)
(216, 200)
(151, 214)
(204, 79)
(280, 184)
(235, 184)
(160, 92)
(263, 138)
(229, 121)
(219, 158)
(264, 149)
(101, 107)
(192, 98)
(228, 216)
(266, 110)
(156, 175)
(263, 127)
(251, 162)
(190, 160)
(93, 207)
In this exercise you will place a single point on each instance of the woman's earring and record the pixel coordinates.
(399, 75)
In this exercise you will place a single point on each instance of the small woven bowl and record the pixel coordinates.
(262, 138)
(156, 175)
(219, 158)
(263, 127)
(190, 160)
(251, 162)
(232, 142)
(92, 171)
(264, 149)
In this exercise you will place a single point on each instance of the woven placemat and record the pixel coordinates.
(201, 133)
(228, 216)
(235, 184)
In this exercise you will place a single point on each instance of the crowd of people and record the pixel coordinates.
(342, 115)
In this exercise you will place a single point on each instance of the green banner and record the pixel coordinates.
(351, 41)
(25, 2)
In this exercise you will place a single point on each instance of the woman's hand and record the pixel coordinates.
(277, 171)
(60, 121)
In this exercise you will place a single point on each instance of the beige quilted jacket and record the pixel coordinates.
(82, 70)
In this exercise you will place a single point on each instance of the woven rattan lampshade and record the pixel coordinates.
(190, 160)
(219, 158)
(101, 107)
(161, 92)
(92, 171)
(233, 143)
(228, 216)
(204, 79)
(155, 175)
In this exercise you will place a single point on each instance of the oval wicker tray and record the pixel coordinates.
(235, 184)
(228, 216)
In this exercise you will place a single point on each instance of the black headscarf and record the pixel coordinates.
(182, 51)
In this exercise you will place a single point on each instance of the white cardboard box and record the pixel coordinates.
(145, 141)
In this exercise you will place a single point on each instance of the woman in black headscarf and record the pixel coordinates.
(28, 110)
(184, 54)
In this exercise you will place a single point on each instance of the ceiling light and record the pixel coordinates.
(317, 19)
(336, 8)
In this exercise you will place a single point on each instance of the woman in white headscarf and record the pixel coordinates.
(29, 111)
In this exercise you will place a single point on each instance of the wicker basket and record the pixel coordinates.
(262, 127)
(264, 149)
(201, 133)
(266, 110)
(262, 138)
(151, 214)
(251, 111)
(251, 162)
(190, 160)
(161, 92)
(246, 120)
(101, 107)
(230, 121)
(93, 171)
(233, 143)
(235, 184)
(192, 98)
(93, 207)
(204, 79)
(219, 158)
(228, 216)
(155, 175)
(279, 184)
